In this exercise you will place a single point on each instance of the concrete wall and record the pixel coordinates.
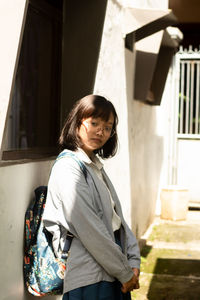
(82, 32)
(137, 167)
(111, 83)
(12, 17)
(17, 186)
(157, 4)
(17, 181)
(136, 170)
(188, 167)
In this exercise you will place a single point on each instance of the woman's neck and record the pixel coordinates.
(89, 153)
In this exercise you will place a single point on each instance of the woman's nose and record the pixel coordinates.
(100, 131)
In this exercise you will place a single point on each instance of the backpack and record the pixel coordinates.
(43, 271)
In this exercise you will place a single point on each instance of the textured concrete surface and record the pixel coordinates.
(170, 268)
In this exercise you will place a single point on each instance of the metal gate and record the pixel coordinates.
(188, 122)
(189, 93)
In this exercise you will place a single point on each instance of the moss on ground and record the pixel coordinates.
(157, 287)
(170, 274)
(170, 261)
(175, 233)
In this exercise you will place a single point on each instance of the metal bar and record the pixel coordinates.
(189, 56)
(188, 136)
(182, 69)
(187, 98)
(191, 96)
(189, 92)
(197, 99)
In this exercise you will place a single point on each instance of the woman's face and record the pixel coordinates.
(94, 133)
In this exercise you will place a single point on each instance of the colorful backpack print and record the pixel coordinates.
(43, 271)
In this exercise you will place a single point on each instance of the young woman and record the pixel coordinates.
(104, 258)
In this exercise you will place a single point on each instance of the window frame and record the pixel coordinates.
(36, 152)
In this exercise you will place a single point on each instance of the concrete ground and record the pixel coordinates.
(170, 268)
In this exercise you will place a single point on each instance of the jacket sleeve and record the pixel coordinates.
(72, 199)
(133, 251)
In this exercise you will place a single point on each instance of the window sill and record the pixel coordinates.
(29, 154)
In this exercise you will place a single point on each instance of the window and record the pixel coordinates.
(33, 123)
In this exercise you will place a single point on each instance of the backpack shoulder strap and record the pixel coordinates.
(70, 154)
(69, 236)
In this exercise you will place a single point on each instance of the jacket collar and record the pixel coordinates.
(85, 158)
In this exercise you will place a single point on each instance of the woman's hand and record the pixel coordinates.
(133, 283)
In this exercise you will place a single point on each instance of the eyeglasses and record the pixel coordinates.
(96, 127)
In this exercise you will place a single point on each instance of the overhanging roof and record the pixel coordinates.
(153, 59)
(144, 22)
(154, 48)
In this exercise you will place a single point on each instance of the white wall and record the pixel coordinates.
(136, 169)
(111, 83)
(157, 4)
(17, 184)
(189, 166)
(11, 26)
(17, 181)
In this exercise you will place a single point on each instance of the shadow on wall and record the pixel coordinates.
(146, 153)
(147, 163)
(82, 34)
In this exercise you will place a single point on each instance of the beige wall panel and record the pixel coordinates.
(136, 169)
(110, 82)
(189, 166)
(17, 186)
(11, 21)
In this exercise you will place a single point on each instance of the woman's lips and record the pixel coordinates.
(96, 140)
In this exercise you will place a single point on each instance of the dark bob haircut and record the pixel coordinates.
(90, 106)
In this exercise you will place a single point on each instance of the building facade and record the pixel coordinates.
(54, 53)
